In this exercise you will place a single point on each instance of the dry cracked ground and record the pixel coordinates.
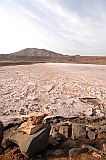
(58, 89)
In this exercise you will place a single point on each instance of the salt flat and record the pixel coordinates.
(56, 88)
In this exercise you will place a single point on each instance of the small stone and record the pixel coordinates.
(55, 134)
(5, 143)
(84, 141)
(91, 135)
(36, 119)
(22, 111)
(88, 128)
(64, 131)
(49, 152)
(1, 150)
(78, 131)
(104, 147)
(58, 152)
(58, 125)
(53, 142)
(95, 154)
(48, 87)
(90, 148)
(101, 136)
(103, 128)
(70, 144)
(77, 151)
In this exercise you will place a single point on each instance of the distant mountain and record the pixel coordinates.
(30, 52)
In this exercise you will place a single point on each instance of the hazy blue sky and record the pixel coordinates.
(65, 26)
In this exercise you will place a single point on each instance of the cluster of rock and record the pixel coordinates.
(79, 137)
(29, 136)
(56, 136)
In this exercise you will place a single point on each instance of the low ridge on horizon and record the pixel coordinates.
(35, 52)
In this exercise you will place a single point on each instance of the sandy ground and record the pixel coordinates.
(58, 89)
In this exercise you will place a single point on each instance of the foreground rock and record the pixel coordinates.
(73, 138)
(30, 128)
(34, 120)
(31, 145)
(91, 135)
(78, 131)
(77, 151)
(32, 136)
(104, 147)
(1, 132)
(33, 124)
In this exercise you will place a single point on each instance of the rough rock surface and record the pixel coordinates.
(104, 147)
(91, 135)
(58, 146)
(31, 145)
(78, 131)
(1, 132)
(29, 128)
(63, 130)
(58, 152)
(77, 151)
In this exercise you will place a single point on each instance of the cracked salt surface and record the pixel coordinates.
(53, 88)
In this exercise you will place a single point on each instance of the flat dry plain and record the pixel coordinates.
(56, 88)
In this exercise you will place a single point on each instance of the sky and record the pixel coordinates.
(64, 26)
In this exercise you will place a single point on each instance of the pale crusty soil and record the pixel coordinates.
(55, 88)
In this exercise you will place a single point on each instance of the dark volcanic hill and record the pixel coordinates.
(34, 52)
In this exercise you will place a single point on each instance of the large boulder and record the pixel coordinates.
(1, 132)
(78, 131)
(31, 145)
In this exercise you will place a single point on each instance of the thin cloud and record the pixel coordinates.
(75, 27)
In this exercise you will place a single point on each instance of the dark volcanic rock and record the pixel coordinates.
(70, 144)
(53, 142)
(58, 152)
(31, 145)
(77, 151)
(90, 148)
(1, 132)
(1, 150)
(5, 142)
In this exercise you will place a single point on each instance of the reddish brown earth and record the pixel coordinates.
(15, 154)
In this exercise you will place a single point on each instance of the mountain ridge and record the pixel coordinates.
(34, 52)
